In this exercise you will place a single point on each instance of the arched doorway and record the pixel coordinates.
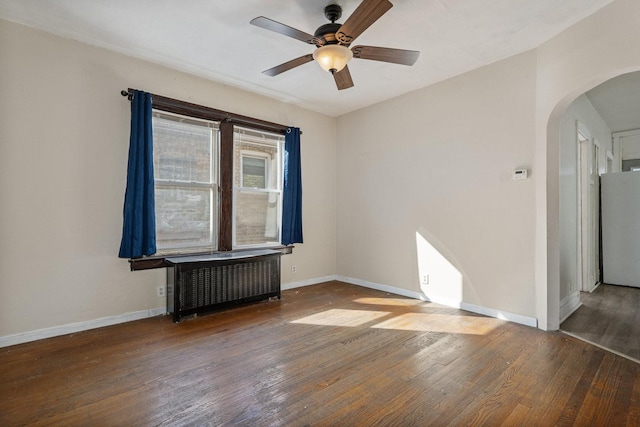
(555, 283)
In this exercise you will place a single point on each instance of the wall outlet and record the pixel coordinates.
(160, 291)
(293, 269)
(425, 279)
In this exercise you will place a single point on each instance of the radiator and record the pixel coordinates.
(204, 283)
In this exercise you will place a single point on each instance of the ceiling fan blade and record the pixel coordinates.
(365, 14)
(385, 54)
(288, 65)
(343, 78)
(270, 24)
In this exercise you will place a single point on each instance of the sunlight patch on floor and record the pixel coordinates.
(342, 317)
(422, 322)
(431, 322)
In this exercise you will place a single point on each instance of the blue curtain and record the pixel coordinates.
(292, 192)
(139, 222)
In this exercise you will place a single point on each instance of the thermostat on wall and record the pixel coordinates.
(519, 174)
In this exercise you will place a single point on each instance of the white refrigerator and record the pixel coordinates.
(620, 197)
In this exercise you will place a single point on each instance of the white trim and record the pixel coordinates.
(617, 147)
(486, 311)
(71, 328)
(383, 288)
(569, 305)
(579, 177)
(308, 282)
(273, 185)
(609, 158)
(593, 287)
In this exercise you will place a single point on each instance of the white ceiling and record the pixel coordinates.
(213, 39)
(618, 102)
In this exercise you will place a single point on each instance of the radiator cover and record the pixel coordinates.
(204, 283)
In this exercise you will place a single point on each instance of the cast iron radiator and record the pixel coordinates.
(202, 283)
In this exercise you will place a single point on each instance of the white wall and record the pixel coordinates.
(425, 187)
(64, 130)
(581, 111)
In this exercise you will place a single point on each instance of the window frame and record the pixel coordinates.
(276, 188)
(227, 122)
(212, 185)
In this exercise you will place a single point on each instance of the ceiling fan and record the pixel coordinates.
(332, 41)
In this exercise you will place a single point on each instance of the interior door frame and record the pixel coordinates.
(594, 221)
(583, 178)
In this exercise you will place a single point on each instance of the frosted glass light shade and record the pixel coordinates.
(332, 57)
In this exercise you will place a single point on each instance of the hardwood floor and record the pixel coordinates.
(610, 317)
(326, 355)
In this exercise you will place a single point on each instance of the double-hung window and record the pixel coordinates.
(186, 182)
(257, 187)
(191, 212)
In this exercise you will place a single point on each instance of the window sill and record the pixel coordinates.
(152, 262)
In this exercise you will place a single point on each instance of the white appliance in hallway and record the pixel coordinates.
(621, 228)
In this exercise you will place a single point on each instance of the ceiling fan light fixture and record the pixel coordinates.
(332, 57)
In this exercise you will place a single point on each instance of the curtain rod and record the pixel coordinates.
(187, 108)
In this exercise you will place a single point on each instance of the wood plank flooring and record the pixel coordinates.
(610, 317)
(326, 355)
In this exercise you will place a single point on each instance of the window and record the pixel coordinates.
(257, 187)
(186, 190)
(191, 213)
(254, 171)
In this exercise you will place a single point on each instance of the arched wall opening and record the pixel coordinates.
(553, 191)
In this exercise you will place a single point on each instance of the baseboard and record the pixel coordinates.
(383, 288)
(71, 328)
(309, 282)
(595, 286)
(137, 315)
(485, 311)
(569, 305)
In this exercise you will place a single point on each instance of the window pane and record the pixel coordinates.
(182, 150)
(254, 172)
(257, 217)
(183, 217)
(257, 187)
(258, 159)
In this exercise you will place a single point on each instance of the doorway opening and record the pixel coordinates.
(592, 143)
